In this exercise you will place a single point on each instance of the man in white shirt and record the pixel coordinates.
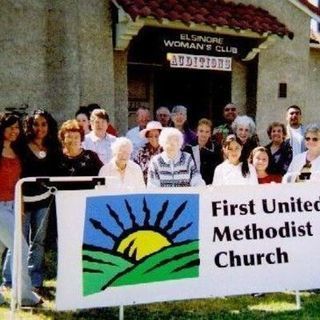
(142, 118)
(295, 129)
(98, 140)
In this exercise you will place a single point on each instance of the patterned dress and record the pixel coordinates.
(144, 156)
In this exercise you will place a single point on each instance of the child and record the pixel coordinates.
(235, 170)
(260, 159)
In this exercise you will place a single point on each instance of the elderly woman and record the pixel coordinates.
(152, 147)
(179, 120)
(173, 168)
(77, 161)
(306, 165)
(125, 172)
(279, 148)
(245, 129)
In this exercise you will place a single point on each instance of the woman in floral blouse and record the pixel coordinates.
(152, 147)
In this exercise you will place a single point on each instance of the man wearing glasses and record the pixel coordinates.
(295, 129)
(230, 112)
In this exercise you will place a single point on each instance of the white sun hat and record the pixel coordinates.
(152, 125)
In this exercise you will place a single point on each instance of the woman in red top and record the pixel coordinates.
(260, 157)
(10, 169)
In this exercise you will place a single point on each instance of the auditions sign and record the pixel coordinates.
(128, 247)
(190, 61)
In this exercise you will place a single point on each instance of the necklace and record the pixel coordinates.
(42, 154)
(40, 150)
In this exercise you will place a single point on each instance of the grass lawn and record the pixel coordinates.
(271, 306)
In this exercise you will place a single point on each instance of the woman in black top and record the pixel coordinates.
(41, 159)
(280, 149)
(205, 154)
(77, 161)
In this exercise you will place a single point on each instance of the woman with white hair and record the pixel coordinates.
(125, 172)
(172, 167)
(245, 129)
(306, 165)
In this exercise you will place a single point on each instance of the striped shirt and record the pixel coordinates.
(178, 172)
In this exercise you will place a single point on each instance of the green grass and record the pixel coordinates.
(269, 307)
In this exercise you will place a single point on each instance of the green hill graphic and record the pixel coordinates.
(104, 269)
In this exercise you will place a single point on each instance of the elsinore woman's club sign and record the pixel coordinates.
(120, 247)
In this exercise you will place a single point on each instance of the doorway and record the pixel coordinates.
(204, 93)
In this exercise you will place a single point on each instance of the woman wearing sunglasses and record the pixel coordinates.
(306, 165)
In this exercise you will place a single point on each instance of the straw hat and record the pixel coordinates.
(152, 125)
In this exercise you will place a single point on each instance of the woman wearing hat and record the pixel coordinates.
(151, 148)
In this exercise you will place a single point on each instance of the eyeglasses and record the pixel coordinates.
(163, 115)
(314, 139)
(230, 109)
(294, 112)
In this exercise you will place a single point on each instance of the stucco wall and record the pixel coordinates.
(283, 61)
(23, 53)
(313, 87)
(96, 54)
(56, 54)
(121, 91)
(238, 85)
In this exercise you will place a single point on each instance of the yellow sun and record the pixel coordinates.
(143, 243)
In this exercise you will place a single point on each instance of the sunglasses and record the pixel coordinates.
(230, 109)
(314, 139)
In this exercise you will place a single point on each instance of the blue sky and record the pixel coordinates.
(96, 208)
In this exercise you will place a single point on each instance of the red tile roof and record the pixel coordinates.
(312, 7)
(208, 12)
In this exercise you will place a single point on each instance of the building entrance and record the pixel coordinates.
(204, 93)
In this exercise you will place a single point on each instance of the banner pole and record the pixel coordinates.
(17, 252)
(121, 312)
(298, 300)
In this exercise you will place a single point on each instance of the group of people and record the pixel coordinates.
(165, 152)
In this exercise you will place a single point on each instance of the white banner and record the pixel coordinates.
(191, 61)
(170, 244)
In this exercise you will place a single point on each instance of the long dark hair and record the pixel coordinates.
(7, 120)
(261, 149)
(243, 158)
(51, 140)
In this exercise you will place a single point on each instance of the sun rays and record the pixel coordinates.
(139, 240)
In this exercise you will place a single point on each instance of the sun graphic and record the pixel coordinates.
(142, 243)
(139, 238)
